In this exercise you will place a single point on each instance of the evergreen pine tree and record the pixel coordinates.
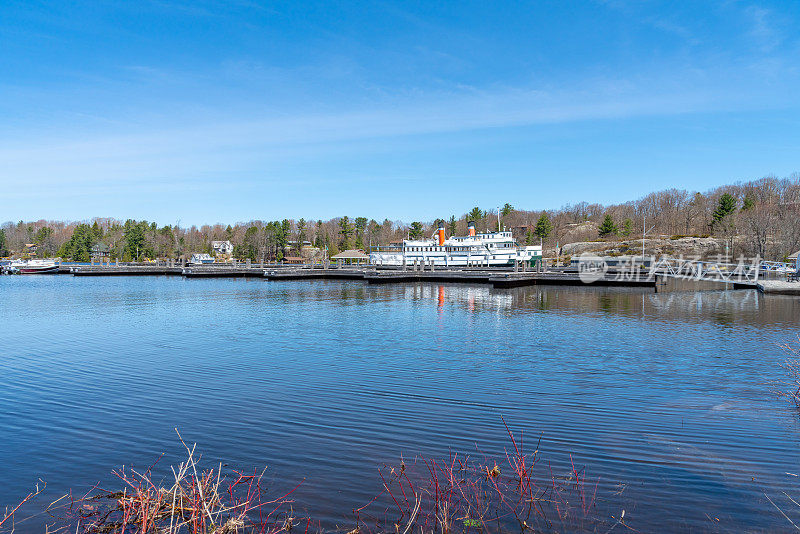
(451, 225)
(415, 232)
(346, 230)
(627, 227)
(543, 226)
(529, 238)
(726, 206)
(607, 227)
(475, 215)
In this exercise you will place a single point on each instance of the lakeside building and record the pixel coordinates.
(351, 257)
(200, 259)
(222, 247)
(100, 251)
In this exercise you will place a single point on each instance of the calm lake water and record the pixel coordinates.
(668, 398)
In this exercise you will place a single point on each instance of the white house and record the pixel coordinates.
(222, 247)
(199, 259)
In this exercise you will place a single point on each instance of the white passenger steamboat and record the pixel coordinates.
(491, 249)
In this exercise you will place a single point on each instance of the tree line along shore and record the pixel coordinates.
(758, 217)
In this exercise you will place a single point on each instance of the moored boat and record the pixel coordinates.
(34, 267)
(489, 249)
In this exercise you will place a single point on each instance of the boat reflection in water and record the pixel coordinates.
(625, 301)
(471, 297)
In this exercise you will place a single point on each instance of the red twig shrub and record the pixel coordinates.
(9, 514)
(462, 494)
(455, 494)
(198, 502)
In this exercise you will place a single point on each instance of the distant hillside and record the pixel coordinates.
(756, 217)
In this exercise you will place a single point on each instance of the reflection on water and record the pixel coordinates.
(665, 397)
(743, 306)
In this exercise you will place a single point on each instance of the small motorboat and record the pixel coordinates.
(33, 267)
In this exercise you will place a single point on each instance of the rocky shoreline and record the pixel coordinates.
(701, 247)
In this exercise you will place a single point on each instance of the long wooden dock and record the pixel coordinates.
(316, 274)
(222, 272)
(122, 270)
(671, 275)
(498, 278)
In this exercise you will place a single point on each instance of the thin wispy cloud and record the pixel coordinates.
(763, 29)
(312, 133)
(206, 98)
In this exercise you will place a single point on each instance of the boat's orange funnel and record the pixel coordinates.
(471, 228)
(441, 234)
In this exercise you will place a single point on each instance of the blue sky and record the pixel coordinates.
(204, 112)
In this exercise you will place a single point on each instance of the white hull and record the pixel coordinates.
(34, 267)
(444, 260)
